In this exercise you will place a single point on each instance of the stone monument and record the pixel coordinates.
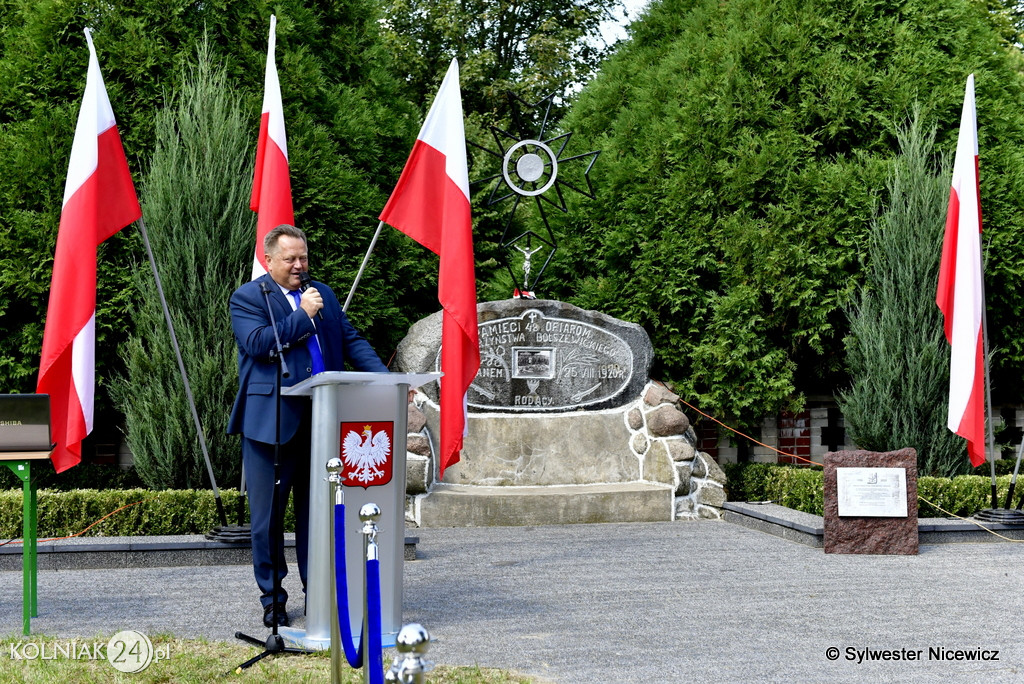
(564, 426)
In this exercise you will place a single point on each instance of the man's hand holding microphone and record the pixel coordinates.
(311, 301)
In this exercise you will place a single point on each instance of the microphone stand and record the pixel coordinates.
(274, 643)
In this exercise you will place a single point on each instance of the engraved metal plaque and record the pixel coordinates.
(541, 355)
(538, 362)
(872, 492)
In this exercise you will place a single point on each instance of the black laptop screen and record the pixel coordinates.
(25, 422)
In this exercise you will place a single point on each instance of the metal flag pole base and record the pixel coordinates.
(1002, 516)
(230, 534)
(234, 534)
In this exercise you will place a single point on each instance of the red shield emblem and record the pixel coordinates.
(366, 453)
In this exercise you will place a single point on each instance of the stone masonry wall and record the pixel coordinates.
(662, 432)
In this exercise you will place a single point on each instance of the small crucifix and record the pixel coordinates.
(527, 253)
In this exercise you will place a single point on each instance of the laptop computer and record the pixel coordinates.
(25, 422)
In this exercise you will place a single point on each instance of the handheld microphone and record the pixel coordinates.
(304, 282)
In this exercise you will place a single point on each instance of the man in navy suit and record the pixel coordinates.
(317, 336)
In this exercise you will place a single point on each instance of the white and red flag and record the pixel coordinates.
(430, 204)
(960, 290)
(99, 200)
(271, 186)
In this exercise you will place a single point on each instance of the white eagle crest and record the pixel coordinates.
(363, 453)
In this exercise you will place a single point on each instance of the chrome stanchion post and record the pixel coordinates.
(334, 477)
(409, 666)
(334, 467)
(369, 514)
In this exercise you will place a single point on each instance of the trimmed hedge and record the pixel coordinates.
(167, 512)
(963, 495)
(802, 488)
(189, 511)
(799, 488)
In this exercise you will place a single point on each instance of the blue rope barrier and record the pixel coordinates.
(373, 623)
(353, 655)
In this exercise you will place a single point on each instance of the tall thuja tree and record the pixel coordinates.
(744, 146)
(896, 350)
(201, 229)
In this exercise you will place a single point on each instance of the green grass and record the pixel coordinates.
(197, 660)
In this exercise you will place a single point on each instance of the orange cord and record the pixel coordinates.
(78, 534)
(766, 446)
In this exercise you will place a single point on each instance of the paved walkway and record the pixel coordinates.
(653, 602)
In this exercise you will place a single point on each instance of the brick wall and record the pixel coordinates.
(794, 437)
(810, 434)
(813, 433)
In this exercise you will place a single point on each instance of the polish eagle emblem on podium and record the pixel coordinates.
(366, 453)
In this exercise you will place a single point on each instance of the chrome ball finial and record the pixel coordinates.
(409, 666)
(369, 512)
(413, 638)
(334, 469)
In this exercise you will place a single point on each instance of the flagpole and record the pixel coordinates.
(988, 390)
(1013, 480)
(366, 259)
(184, 375)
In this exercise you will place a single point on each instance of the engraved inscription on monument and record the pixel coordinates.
(537, 362)
(872, 492)
(540, 355)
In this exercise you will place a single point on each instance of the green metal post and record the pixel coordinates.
(29, 608)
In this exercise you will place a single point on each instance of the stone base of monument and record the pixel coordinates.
(871, 502)
(577, 467)
(473, 506)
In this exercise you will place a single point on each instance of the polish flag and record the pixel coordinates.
(960, 289)
(271, 188)
(430, 204)
(99, 200)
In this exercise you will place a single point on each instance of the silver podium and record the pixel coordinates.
(365, 404)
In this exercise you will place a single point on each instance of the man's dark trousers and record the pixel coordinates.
(258, 459)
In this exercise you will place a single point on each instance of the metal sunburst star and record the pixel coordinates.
(530, 168)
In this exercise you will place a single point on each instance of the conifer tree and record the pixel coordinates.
(896, 351)
(201, 229)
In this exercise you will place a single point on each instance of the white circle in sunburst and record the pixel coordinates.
(530, 167)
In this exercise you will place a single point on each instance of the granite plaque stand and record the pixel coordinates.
(870, 534)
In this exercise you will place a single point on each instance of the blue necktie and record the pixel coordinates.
(311, 344)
